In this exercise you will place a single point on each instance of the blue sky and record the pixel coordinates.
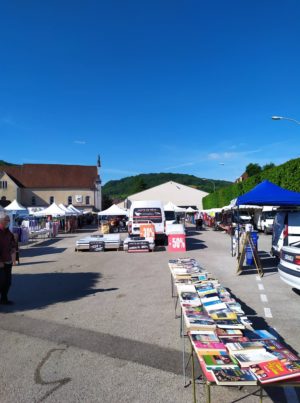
(152, 86)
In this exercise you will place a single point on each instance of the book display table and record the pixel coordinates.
(229, 351)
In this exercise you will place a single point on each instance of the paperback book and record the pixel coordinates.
(229, 333)
(220, 361)
(259, 335)
(245, 346)
(229, 323)
(275, 371)
(234, 377)
(248, 358)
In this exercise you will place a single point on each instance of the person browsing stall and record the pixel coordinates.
(7, 248)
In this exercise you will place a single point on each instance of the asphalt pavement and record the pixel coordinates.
(100, 327)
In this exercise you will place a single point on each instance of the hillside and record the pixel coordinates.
(5, 163)
(120, 189)
(286, 175)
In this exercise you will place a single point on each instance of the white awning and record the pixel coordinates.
(52, 210)
(14, 206)
(113, 210)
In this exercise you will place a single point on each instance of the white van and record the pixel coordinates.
(286, 230)
(264, 219)
(145, 212)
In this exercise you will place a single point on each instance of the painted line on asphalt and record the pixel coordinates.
(258, 278)
(260, 286)
(263, 298)
(291, 395)
(268, 313)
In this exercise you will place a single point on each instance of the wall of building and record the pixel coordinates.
(11, 192)
(42, 196)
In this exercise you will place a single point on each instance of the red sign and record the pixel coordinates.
(147, 230)
(176, 243)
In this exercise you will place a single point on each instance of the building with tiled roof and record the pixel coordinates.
(42, 184)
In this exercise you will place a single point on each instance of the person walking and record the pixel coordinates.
(7, 248)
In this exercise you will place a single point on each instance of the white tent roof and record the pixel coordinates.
(52, 210)
(67, 210)
(113, 210)
(190, 210)
(15, 206)
(172, 207)
(71, 207)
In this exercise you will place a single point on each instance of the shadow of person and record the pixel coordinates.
(37, 291)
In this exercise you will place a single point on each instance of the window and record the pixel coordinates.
(33, 201)
(3, 184)
(51, 200)
(69, 200)
(87, 200)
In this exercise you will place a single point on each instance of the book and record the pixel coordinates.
(273, 345)
(229, 324)
(244, 346)
(223, 314)
(214, 305)
(229, 333)
(248, 358)
(276, 370)
(234, 377)
(219, 361)
(285, 355)
(259, 335)
(235, 307)
(199, 322)
(237, 339)
(190, 298)
(205, 335)
(208, 346)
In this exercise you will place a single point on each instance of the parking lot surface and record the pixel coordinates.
(100, 327)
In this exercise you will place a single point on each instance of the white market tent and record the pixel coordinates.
(52, 210)
(172, 207)
(67, 210)
(71, 207)
(113, 210)
(190, 210)
(16, 208)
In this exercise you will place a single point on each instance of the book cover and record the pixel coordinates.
(245, 346)
(259, 335)
(273, 345)
(237, 339)
(229, 324)
(229, 333)
(276, 370)
(219, 361)
(217, 346)
(223, 314)
(248, 358)
(234, 377)
(285, 355)
(204, 336)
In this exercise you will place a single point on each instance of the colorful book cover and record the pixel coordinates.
(259, 335)
(273, 345)
(244, 346)
(274, 371)
(209, 346)
(248, 358)
(204, 336)
(237, 339)
(229, 324)
(229, 333)
(219, 361)
(223, 314)
(285, 355)
(234, 376)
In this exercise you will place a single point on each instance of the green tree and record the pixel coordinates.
(268, 166)
(253, 169)
(139, 185)
(106, 202)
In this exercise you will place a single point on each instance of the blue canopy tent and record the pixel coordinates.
(269, 194)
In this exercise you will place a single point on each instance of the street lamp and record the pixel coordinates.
(284, 118)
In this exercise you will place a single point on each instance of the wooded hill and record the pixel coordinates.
(120, 189)
(286, 175)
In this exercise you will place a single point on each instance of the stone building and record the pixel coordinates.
(42, 184)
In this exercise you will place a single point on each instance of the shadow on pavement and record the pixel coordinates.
(269, 264)
(40, 251)
(37, 291)
(39, 262)
(194, 244)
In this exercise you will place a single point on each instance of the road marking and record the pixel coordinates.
(260, 286)
(268, 313)
(263, 298)
(291, 395)
(258, 278)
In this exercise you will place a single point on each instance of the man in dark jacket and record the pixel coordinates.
(7, 248)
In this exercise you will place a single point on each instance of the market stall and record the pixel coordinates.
(112, 220)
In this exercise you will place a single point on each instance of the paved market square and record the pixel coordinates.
(100, 327)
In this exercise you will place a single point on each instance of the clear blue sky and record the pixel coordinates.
(151, 85)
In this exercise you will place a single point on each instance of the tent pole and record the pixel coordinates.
(238, 226)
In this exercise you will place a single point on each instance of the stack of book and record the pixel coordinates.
(229, 350)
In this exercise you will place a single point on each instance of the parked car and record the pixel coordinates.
(286, 230)
(289, 266)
